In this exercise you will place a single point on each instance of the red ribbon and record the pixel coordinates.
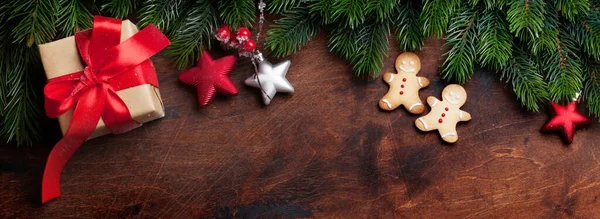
(111, 66)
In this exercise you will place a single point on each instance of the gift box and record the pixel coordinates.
(62, 57)
(99, 81)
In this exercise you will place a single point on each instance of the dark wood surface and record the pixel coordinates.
(324, 151)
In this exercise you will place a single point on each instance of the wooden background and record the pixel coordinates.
(324, 151)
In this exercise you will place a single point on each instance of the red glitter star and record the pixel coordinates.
(210, 77)
(567, 119)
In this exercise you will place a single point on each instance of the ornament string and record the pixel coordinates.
(245, 46)
(257, 56)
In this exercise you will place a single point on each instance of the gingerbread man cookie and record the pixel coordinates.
(445, 114)
(404, 86)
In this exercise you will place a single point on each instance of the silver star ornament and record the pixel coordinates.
(271, 79)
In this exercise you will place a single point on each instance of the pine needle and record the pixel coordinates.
(523, 74)
(368, 59)
(408, 26)
(237, 13)
(436, 16)
(291, 32)
(563, 69)
(165, 14)
(73, 16)
(526, 17)
(591, 89)
(282, 6)
(195, 32)
(462, 35)
(120, 8)
(35, 21)
(494, 41)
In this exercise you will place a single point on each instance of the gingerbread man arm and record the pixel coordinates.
(423, 81)
(388, 77)
(432, 101)
(464, 116)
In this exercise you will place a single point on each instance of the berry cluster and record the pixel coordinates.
(239, 40)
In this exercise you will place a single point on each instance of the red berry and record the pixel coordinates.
(443, 114)
(440, 120)
(401, 92)
(404, 79)
(233, 38)
(243, 34)
(402, 86)
(446, 109)
(223, 33)
(249, 45)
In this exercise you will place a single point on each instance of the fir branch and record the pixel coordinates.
(494, 41)
(35, 21)
(120, 8)
(291, 32)
(349, 13)
(436, 15)
(195, 32)
(382, 9)
(407, 26)
(73, 16)
(373, 46)
(281, 6)
(526, 17)
(587, 32)
(462, 33)
(20, 108)
(562, 68)
(363, 46)
(594, 5)
(237, 13)
(571, 9)
(165, 14)
(4, 42)
(490, 4)
(522, 73)
(322, 9)
(591, 87)
(547, 38)
(343, 41)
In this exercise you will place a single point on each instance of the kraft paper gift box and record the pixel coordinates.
(62, 57)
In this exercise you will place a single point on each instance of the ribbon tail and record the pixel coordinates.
(85, 118)
(57, 160)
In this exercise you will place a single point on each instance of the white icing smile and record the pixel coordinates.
(407, 70)
(450, 100)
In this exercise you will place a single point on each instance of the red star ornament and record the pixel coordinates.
(211, 76)
(566, 120)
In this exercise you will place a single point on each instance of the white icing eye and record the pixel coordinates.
(451, 93)
(403, 62)
(412, 63)
(457, 97)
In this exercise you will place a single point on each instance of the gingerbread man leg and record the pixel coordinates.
(448, 133)
(387, 104)
(414, 106)
(423, 125)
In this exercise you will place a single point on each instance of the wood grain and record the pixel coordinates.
(326, 151)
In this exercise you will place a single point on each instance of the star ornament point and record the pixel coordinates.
(211, 76)
(566, 120)
(271, 79)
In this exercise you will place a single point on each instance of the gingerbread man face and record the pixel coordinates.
(455, 95)
(404, 86)
(408, 62)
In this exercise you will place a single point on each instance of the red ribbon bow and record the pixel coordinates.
(111, 66)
